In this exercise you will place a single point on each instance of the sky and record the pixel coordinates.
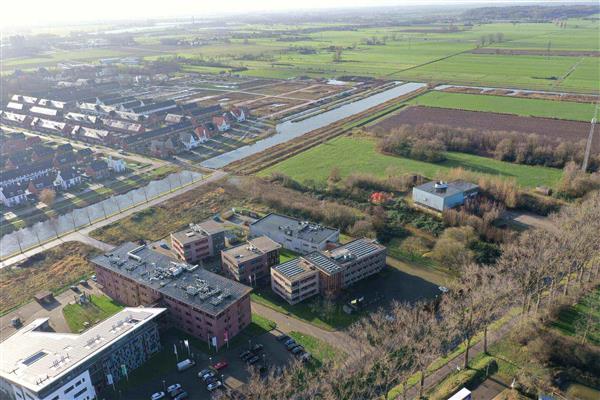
(51, 12)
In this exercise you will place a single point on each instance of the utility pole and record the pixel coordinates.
(588, 148)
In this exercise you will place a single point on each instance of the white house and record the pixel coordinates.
(191, 141)
(238, 114)
(116, 164)
(13, 194)
(67, 178)
(221, 123)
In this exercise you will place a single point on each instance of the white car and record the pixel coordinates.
(173, 388)
(213, 386)
(157, 395)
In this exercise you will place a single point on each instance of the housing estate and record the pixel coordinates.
(329, 271)
(40, 364)
(199, 241)
(205, 305)
(439, 195)
(251, 262)
(293, 234)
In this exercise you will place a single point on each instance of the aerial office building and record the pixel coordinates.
(250, 263)
(199, 241)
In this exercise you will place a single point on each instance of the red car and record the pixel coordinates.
(220, 365)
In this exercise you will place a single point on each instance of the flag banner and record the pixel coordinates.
(124, 369)
(109, 379)
(175, 348)
(187, 344)
(226, 336)
(214, 341)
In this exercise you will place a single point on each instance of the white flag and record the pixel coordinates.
(214, 341)
(187, 344)
(175, 348)
(109, 378)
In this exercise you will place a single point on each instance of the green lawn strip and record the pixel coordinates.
(286, 255)
(508, 105)
(355, 155)
(338, 319)
(320, 351)
(260, 325)
(568, 317)
(99, 308)
(471, 377)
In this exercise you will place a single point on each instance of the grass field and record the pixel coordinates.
(54, 270)
(568, 317)
(319, 350)
(508, 105)
(286, 255)
(98, 309)
(351, 155)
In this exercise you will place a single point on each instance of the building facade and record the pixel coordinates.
(203, 304)
(39, 364)
(293, 234)
(200, 241)
(250, 263)
(295, 280)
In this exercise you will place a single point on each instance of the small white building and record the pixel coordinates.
(190, 140)
(67, 178)
(440, 195)
(117, 165)
(238, 114)
(13, 194)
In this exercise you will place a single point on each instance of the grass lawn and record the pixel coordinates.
(320, 351)
(54, 270)
(99, 308)
(260, 325)
(508, 105)
(568, 317)
(303, 311)
(286, 255)
(351, 155)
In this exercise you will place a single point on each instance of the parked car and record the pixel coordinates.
(75, 289)
(257, 348)
(181, 396)
(298, 350)
(94, 278)
(220, 365)
(83, 282)
(305, 356)
(173, 388)
(245, 355)
(253, 360)
(283, 338)
(204, 372)
(185, 364)
(208, 375)
(291, 345)
(289, 341)
(210, 380)
(212, 386)
(176, 392)
(157, 396)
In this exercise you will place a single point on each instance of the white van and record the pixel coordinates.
(462, 394)
(185, 364)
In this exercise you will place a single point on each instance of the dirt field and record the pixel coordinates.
(567, 130)
(520, 52)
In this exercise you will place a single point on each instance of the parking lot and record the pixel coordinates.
(233, 376)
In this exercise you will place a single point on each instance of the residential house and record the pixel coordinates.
(40, 183)
(190, 140)
(67, 178)
(64, 159)
(221, 123)
(98, 169)
(238, 114)
(117, 165)
(85, 154)
(41, 152)
(24, 174)
(13, 194)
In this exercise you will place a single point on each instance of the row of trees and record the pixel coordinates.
(535, 272)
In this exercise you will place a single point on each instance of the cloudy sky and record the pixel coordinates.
(50, 12)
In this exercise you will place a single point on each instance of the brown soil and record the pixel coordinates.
(523, 52)
(564, 130)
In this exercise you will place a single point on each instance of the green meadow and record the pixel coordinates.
(508, 105)
(356, 155)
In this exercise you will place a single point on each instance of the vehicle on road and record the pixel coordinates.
(173, 388)
(220, 365)
(253, 360)
(181, 396)
(212, 386)
(185, 364)
(157, 396)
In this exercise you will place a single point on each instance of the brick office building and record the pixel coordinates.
(201, 303)
(251, 262)
(199, 241)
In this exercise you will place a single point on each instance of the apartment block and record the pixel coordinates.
(199, 241)
(40, 364)
(327, 271)
(199, 302)
(250, 263)
(293, 234)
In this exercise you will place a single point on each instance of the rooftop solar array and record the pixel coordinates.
(324, 263)
(357, 248)
(290, 268)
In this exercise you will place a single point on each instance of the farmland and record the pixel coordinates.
(565, 130)
(508, 105)
(355, 155)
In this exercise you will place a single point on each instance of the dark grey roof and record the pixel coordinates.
(154, 106)
(30, 169)
(13, 190)
(290, 268)
(293, 227)
(451, 189)
(356, 249)
(322, 262)
(193, 285)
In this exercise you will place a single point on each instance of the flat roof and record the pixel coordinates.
(197, 231)
(253, 248)
(190, 284)
(323, 262)
(304, 230)
(35, 358)
(451, 187)
(294, 269)
(353, 250)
